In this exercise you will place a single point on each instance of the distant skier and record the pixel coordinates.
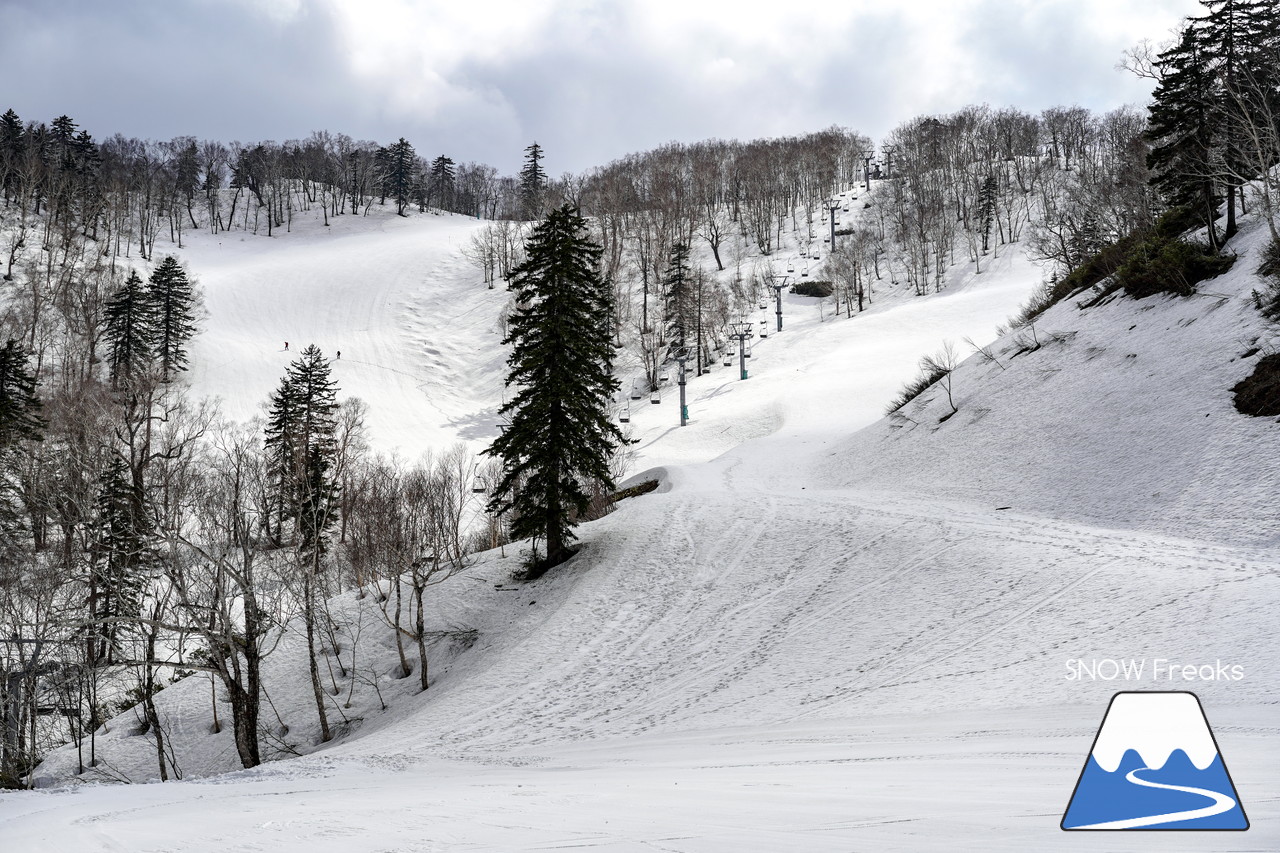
(286, 346)
(339, 358)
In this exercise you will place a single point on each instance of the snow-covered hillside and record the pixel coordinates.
(814, 636)
(1122, 416)
(417, 333)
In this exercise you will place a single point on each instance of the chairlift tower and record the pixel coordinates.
(777, 293)
(743, 332)
(833, 205)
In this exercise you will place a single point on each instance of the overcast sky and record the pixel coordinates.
(591, 80)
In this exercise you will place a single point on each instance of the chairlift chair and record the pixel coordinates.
(625, 415)
(664, 376)
(655, 398)
(635, 391)
(746, 350)
(764, 328)
(728, 359)
(479, 486)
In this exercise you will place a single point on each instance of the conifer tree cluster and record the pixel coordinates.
(399, 173)
(441, 183)
(1212, 119)
(149, 326)
(559, 437)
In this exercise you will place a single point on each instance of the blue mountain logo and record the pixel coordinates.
(1155, 765)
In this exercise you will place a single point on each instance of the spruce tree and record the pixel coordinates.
(558, 436)
(400, 175)
(19, 421)
(124, 556)
(1225, 35)
(987, 209)
(12, 146)
(130, 330)
(533, 182)
(280, 451)
(172, 301)
(679, 298)
(1183, 130)
(441, 186)
(19, 406)
(301, 446)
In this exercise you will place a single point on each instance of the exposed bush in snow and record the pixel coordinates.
(1259, 394)
(1268, 298)
(1270, 265)
(1106, 262)
(1163, 264)
(930, 372)
(821, 289)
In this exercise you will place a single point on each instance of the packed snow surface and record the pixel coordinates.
(813, 636)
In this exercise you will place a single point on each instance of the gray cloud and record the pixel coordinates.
(590, 81)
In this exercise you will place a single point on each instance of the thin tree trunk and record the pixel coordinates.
(309, 616)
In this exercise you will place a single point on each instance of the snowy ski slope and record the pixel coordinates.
(417, 331)
(811, 638)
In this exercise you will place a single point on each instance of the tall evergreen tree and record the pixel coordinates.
(19, 406)
(172, 300)
(130, 330)
(280, 451)
(1226, 37)
(558, 437)
(19, 421)
(987, 209)
(1204, 108)
(533, 182)
(124, 556)
(679, 298)
(400, 175)
(1183, 130)
(441, 185)
(301, 446)
(12, 146)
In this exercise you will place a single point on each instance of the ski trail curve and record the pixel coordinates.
(1221, 803)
